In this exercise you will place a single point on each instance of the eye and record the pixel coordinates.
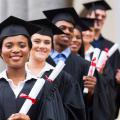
(36, 41)
(47, 42)
(62, 27)
(78, 37)
(22, 45)
(8, 45)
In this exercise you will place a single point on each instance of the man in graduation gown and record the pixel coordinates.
(98, 10)
(95, 100)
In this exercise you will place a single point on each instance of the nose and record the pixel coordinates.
(16, 49)
(74, 39)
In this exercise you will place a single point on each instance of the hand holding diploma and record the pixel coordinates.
(93, 65)
(38, 86)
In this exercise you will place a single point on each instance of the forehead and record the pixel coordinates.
(76, 31)
(18, 38)
(64, 23)
(39, 36)
(100, 11)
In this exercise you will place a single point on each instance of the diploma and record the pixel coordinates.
(101, 61)
(113, 49)
(104, 56)
(38, 86)
(93, 65)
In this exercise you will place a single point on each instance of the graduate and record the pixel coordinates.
(98, 10)
(42, 43)
(76, 42)
(15, 46)
(95, 100)
(106, 71)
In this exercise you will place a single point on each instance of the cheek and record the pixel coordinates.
(5, 53)
(26, 52)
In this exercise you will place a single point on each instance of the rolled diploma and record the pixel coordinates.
(38, 86)
(92, 67)
(113, 49)
(102, 60)
(105, 55)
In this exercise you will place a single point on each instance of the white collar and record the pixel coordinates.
(47, 67)
(4, 75)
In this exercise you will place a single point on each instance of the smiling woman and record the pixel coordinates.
(15, 46)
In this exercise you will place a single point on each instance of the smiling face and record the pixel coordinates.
(76, 41)
(41, 47)
(88, 35)
(15, 51)
(64, 40)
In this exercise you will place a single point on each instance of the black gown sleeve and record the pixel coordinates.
(72, 97)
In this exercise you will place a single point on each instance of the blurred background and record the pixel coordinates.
(32, 9)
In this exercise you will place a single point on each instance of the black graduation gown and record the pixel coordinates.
(48, 106)
(77, 67)
(55, 101)
(103, 43)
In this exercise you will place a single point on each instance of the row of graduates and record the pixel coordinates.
(62, 99)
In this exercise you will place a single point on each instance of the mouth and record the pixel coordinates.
(15, 57)
(66, 37)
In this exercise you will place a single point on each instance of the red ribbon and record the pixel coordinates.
(47, 78)
(106, 50)
(93, 62)
(22, 95)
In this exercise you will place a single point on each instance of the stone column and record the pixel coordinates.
(18, 8)
(37, 6)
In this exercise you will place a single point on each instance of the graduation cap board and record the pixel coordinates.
(13, 26)
(67, 14)
(47, 28)
(89, 22)
(101, 4)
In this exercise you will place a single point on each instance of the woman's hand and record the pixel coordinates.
(90, 83)
(19, 116)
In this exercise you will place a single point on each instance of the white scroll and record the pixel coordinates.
(39, 85)
(93, 65)
(105, 55)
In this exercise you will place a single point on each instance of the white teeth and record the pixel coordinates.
(16, 57)
(66, 38)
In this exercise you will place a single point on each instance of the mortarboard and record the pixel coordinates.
(89, 22)
(68, 14)
(13, 26)
(47, 28)
(101, 4)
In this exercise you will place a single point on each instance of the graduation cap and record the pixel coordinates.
(47, 28)
(84, 24)
(13, 26)
(102, 4)
(89, 22)
(68, 14)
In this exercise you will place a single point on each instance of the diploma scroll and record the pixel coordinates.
(104, 56)
(93, 65)
(39, 85)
